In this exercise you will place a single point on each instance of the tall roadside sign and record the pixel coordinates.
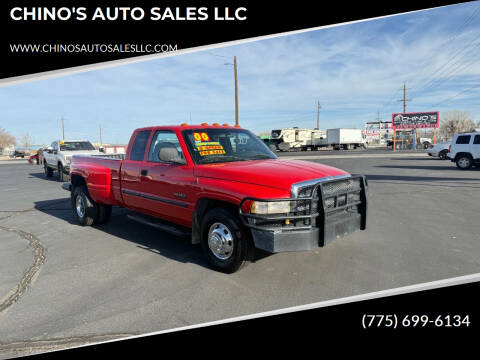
(404, 121)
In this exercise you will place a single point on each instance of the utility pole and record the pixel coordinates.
(101, 142)
(379, 127)
(63, 130)
(404, 100)
(236, 90)
(318, 114)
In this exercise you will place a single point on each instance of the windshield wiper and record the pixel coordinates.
(225, 158)
(259, 156)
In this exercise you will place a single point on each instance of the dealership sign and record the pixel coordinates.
(415, 120)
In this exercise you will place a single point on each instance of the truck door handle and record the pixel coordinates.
(144, 172)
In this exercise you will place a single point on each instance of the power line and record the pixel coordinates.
(443, 69)
(450, 41)
(461, 92)
(221, 56)
(452, 73)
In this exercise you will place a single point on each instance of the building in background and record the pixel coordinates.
(112, 148)
(378, 132)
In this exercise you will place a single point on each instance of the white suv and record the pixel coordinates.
(465, 150)
(58, 156)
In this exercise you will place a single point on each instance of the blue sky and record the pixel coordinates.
(354, 70)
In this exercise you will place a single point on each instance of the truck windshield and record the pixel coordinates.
(76, 145)
(225, 145)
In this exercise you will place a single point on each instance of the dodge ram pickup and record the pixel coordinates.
(222, 187)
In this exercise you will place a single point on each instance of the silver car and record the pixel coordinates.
(439, 150)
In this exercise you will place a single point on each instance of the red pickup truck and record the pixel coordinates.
(224, 188)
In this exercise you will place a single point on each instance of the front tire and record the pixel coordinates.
(48, 171)
(443, 154)
(224, 242)
(62, 177)
(84, 208)
(464, 162)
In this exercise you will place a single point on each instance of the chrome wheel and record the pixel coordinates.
(80, 207)
(220, 241)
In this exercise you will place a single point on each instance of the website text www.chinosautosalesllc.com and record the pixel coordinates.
(93, 48)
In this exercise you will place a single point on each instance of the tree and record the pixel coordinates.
(455, 121)
(26, 141)
(6, 139)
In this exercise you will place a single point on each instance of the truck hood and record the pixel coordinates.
(275, 173)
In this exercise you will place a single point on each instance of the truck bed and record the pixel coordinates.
(102, 174)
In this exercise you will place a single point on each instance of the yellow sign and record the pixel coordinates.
(203, 136)
(212, 152)
(210, 148)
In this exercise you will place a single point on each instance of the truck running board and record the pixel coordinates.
(162, 225)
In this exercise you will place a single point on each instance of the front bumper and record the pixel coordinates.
(335, 209)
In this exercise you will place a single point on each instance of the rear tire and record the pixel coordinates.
(225, 243)
(84, 208)
(443, 154)
(464, 162)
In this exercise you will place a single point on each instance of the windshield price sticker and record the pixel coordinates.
(212, 152)
(210, 147)
(203, 136)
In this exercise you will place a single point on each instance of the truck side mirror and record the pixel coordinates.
(49, 149)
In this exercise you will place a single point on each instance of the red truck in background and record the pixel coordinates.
(223, 187)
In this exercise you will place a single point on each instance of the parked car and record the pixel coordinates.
(439, 150)
(58, 156)
(465, 150)
(222, 187)
(20, 154)
(33, 159)
(426, 142)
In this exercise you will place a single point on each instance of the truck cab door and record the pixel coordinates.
(168, 181)
(130, 174)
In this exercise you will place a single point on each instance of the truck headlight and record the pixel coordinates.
(272, 207)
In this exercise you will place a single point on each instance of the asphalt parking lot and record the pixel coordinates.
(62, 284)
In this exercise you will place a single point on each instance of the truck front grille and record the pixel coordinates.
(314, 204)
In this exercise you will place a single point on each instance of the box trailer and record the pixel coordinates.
(345, 139)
